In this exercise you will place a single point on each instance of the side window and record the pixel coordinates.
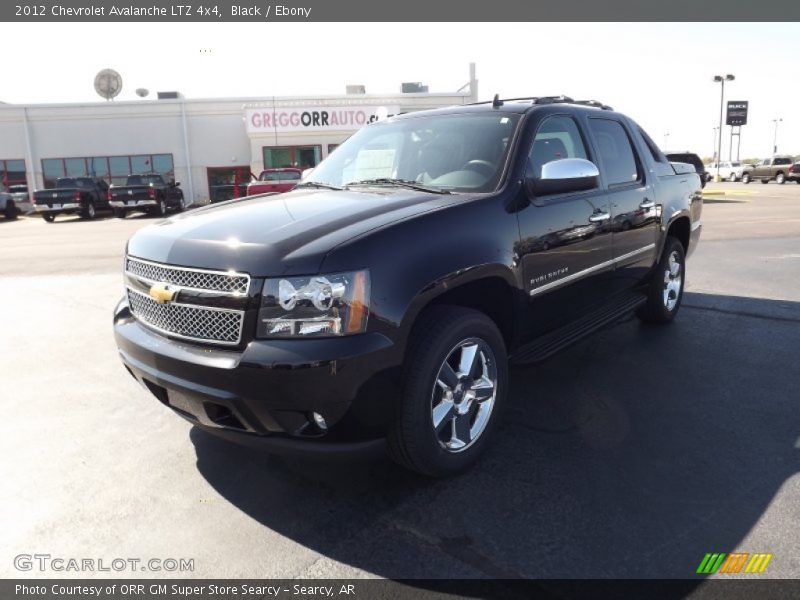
(657, 155)
(557, 137)
(616, 153)
(783, 161)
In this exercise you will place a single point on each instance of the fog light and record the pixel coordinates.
(319, 420)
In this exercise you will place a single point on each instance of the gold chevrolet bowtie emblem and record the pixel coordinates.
(161, 293)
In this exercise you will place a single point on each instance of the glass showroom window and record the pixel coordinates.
(112, 169)
(12, 172)
(302, 157)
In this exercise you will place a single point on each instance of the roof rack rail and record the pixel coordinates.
(497, 101)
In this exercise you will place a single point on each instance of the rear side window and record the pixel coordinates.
(783, 161)
(557, 137)
(615, 152)
(657, 155)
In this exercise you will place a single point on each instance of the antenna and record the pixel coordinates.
(142, 92)
(108, 83)
(496, 103)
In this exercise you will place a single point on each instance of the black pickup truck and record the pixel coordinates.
(384, 297)
(83, 195)
(148, 193)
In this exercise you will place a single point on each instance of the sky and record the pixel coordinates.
(658, 74)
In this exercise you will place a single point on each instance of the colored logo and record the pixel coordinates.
(735, 562)
(161, 293)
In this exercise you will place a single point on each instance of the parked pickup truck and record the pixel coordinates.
(83, 195)
(147, 193)
(383, 298)
(775, 168)
(14, 200)
(274, 181)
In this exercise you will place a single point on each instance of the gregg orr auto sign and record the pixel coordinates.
(308, 118)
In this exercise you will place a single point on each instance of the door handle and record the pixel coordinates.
(647, 203)
(599, 216)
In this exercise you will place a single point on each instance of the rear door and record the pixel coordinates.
(631, 193)
(565, 246)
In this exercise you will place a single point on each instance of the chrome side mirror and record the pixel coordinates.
(563, 176)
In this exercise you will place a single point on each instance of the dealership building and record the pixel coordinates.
(210, 146)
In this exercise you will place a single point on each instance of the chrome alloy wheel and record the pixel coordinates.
(673, 281)
(463, 394)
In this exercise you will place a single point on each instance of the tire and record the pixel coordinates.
(765, 181)
(745, 178)
(443, 338)
(664, 295)
(49, 217)
(181, 203)
(120, 213)
(89, 212)
(10, 210)
(160, 209)
(732, 177)
(780, 178)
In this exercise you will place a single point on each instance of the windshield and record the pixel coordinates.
(449, 152)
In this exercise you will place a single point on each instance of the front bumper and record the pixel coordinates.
(265, 393)
(132, 204)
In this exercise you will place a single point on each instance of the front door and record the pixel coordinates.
(565, 243)
(633, 223)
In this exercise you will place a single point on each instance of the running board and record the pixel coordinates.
(546, 346)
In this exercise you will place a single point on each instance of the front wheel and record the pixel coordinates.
(765, 181)
(780, 178)
(454, 385)
(10, 211)
(49, 217)
(666, 288)
(120, 213)
(732, 177)
(181, 203)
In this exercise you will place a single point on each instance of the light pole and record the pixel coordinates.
(714, 147)
(721, 80)
(775, 136)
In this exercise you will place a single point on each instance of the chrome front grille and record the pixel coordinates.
(195, 279)
(188, 321)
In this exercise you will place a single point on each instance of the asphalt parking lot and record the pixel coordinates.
(631, 454)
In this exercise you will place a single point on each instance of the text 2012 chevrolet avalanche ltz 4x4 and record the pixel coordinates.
(383, 298)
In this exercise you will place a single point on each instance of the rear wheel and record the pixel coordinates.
(780, 178)
(89, 211)
(746, 178)
(10, 211)
(49, 217)
(765, 181)
(666, 288)
(732, 177)
(454, 385)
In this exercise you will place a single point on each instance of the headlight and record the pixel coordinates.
(323, 305)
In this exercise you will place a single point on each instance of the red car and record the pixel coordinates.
(274, 181)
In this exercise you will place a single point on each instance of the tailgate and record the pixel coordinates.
(130, 193)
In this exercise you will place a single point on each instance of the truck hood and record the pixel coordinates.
(285, 234)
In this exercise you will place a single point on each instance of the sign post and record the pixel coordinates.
(736, 117)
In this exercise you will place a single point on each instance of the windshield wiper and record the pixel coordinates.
(414, 185)
(318, 184)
